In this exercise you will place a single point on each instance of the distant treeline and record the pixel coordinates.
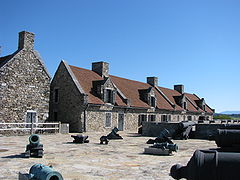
(226, 116)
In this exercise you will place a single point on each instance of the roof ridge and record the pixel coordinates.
(131, 80)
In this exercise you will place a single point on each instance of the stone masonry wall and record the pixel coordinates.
(69, 107)
(96, 116)
(24, 85)
(96, 119)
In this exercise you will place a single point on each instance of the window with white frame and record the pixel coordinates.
(166, 118)
(152, 101)
(108, 121)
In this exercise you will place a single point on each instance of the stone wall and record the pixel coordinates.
(155, 128)
(70, 105)
(24, 85)
(96, 117)
(201, 131)
(206, 131)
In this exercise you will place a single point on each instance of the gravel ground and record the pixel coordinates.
(120, 159)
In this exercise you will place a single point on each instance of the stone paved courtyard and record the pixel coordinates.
(120, 159)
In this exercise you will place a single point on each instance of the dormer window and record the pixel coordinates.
(181, 101)
(185, 105)
(105, 90)
(109, 96)
(201, 104)
(204, 107)
(152, 101)
(148, 96)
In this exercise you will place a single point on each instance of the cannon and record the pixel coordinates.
(34, 148)
(161, 149)
(171, 147)
(112, 135)
(209, 165)
(183, 130)
(163, 137)
(231, 126)
(80, 139)
(41, 172)
(228, 138)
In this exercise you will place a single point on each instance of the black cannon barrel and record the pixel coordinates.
(228, 138)
(113, 134)
(163, 137)
(80, 138)
(171, 147)
(231, 126)
(209, 165)
(185, 124)
(115, 130)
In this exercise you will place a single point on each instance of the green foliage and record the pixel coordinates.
(222, 116)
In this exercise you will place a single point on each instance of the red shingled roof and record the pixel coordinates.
(170, 93)
(194, 98)
(130, 89)
(85, 78)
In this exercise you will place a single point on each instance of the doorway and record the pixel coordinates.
(31, 118)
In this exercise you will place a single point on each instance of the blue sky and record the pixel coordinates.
(195, 43)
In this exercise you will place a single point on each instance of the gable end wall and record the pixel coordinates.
(24, 85)
(70, 106)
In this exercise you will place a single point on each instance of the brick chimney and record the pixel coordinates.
(101, 68)
(179, 88)
(26, 40)
(153, 81)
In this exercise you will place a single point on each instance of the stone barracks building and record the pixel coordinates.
(24, 84)
(93, 100)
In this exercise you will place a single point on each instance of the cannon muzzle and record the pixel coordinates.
(34, 148)
(41, 172)
(34, 139)
(209, 165)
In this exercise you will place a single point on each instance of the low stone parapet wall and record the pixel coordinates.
(199, 131)
(154, 128)
(206, 131)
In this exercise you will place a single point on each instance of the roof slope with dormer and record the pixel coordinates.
(132, 89)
